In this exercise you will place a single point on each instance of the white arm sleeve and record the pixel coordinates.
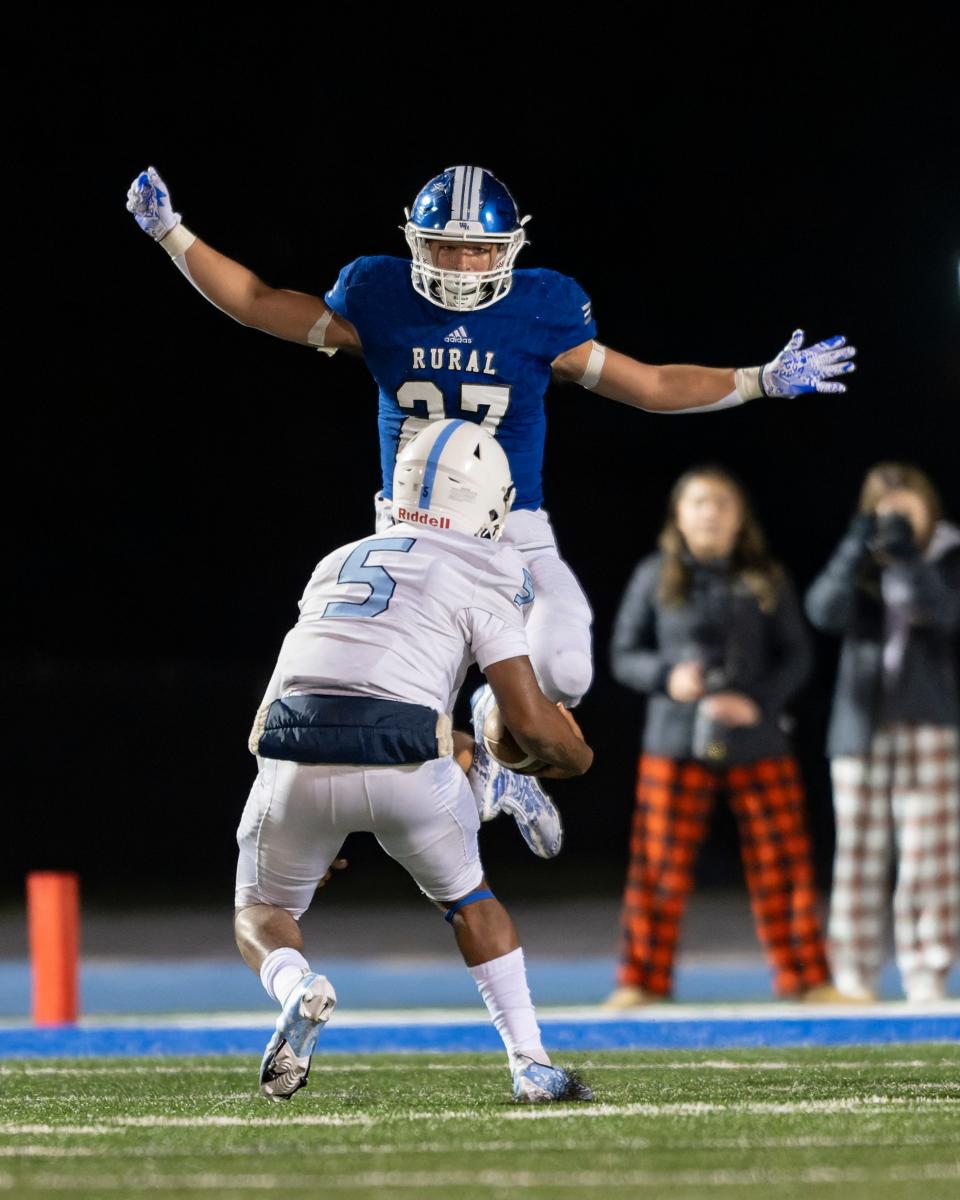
(747, 388)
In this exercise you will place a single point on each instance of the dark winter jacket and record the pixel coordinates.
(878, 682)
(765, 656)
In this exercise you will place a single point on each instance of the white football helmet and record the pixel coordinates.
(453, 475)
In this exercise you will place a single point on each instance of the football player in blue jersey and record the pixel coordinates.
(459, 332)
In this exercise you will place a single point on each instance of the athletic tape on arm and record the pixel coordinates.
(316, 336)
(591, 376)
(176, 243)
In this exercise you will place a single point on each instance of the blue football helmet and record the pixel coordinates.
(464, 204)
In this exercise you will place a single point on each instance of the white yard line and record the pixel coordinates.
(333, 1069)
(866, 1104)
(654, 1013)
(514, 1180)
(615, 1145)
(53, 1152)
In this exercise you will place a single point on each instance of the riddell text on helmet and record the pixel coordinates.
(421, 518)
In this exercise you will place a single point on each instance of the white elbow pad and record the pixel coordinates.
(591, 376)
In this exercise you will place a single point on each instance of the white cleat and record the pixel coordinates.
(485, 772)
(534, 812)
(536, 1083)
(286, 1060)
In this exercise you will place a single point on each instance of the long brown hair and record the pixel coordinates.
(750, 560)
(888, 477)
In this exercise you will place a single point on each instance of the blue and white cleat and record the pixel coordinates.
(485, 773)
(536, 1083)
(534, 812)
(286, 1060)
(498, 789)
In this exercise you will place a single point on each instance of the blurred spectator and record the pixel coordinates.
(711, 629)
(892, 592)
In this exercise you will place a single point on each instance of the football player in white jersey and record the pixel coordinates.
(458, 331)
(354, 734)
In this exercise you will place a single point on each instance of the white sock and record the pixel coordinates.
(503, 985)
(280, 972)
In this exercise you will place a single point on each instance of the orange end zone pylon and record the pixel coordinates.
(53, 918)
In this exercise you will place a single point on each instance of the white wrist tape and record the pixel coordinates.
(178, 241)
(747, 382)
(591, 376)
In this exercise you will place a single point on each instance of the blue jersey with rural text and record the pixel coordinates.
(488, 365)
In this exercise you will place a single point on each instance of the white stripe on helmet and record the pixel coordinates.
(456, 213)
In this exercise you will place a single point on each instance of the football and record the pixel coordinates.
(503, 746)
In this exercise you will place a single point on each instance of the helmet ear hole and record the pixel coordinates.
(476, 450)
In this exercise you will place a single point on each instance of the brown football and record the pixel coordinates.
(503, 746)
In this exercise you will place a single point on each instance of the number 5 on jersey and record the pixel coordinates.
(380, 582)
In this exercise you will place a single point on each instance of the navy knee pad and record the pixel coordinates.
(470, 898)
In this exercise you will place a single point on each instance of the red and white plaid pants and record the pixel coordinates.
(671, 820)
(899, 803)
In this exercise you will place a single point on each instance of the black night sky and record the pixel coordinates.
(175, 476)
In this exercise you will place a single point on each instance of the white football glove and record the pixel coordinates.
(795, 371)
(149, 201)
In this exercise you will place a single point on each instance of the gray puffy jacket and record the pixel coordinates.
(765, 656)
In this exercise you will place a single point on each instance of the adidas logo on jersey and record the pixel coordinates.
(459, 335)
(421, 518)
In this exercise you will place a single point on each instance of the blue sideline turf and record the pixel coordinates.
(693, 1031)
(161, 986)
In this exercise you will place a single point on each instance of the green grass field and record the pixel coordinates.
(845, 1122)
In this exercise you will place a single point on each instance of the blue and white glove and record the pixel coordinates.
(149, 201)
(796, 371)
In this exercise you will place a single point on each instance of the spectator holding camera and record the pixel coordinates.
(892, 592)
(710, 629)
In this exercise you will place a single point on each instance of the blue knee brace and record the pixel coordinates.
(470, 898)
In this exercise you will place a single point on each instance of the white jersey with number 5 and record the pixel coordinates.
(402, 616)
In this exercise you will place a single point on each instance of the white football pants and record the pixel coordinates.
(559, 627)
(297, 817)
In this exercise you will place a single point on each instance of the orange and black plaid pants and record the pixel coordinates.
(675, 800)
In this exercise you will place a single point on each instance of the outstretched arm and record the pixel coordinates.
(687, 388)
(294, 316)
